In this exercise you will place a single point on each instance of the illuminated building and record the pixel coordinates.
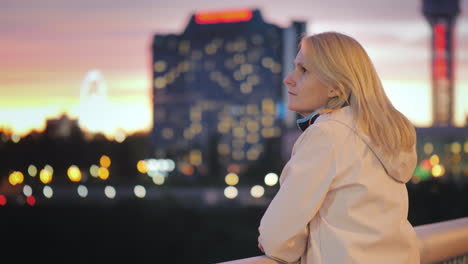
(217, 87)
(441, 16)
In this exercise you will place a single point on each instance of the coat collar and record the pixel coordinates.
(305, 122)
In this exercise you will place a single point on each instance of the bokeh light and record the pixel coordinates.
(271, 179)
(139, 191)
(15, 138)
(120, 136)
(31, 200)
(231, 179)
(428, 148)
(230, 192)
(27, 190)
(142, 167)
(438, 170)
(15, 178)
(110, 192)
(74, 173)
(32, 170)
(434, 160)
(45, 176)
(3, 200)
(49, 168)
(48, 191)
(455, 147)
(158, 179)
(103, 173)
(94, 170)
(257, 191)
(82, 191)
(105, 161)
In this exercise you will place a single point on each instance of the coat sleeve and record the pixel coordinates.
(307, 177)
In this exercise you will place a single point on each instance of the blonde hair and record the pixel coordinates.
(341, 62)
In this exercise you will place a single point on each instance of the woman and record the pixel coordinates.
(342, 196)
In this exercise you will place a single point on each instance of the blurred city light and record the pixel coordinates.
(139, 191)
(110, 192)
(45, 175)
(230, 192)
(74, 173)
(434, 160)
(231, 179)
(103, 173)
(15, 138)
(3, 200)
(271, 179)
(27, 190)
(48, 191)
(32, 170)
(105, 161)
(141, 166)
(31, 200)
(82, 191)
(15, 178)
(94, 170)
(195, 157)
(456, 147)
(428, 148)
(120, 136)
(257, 191)
(426, 164)
(228, 16)
(438, 170)
(158, 179)
(49, 168)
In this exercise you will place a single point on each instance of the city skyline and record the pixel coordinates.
(49, 53)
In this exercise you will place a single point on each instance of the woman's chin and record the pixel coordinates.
(292, 108)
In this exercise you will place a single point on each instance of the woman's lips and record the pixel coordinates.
(291, 93)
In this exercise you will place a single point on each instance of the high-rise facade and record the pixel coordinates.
(218, 94)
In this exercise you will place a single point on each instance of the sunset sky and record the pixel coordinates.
(47, 48)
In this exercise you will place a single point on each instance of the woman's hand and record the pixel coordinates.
(260, 244)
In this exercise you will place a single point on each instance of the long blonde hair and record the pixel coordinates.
(341, 62)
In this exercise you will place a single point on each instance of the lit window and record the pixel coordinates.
(159, 82)
(245, 88)
(267, 62)
(239, 58)
(223, 149)
(246, 69)
(428, 148)
(167, 133)
(160, 66)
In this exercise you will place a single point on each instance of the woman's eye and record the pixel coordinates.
(303, 69)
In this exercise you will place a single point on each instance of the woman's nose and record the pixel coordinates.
(288, 81)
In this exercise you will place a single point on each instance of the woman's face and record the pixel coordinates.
(305, 92)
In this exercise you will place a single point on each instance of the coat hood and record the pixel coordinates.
(399, 167)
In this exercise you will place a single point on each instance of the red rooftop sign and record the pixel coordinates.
(226, 16)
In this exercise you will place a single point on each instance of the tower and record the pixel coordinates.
(441, 15)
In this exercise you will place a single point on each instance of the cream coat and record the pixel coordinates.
(340, 200)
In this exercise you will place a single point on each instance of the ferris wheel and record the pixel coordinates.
(94, 103)
(93, 85)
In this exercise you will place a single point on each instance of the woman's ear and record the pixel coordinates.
(332, 92)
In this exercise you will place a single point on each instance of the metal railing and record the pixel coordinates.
(444, 242)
